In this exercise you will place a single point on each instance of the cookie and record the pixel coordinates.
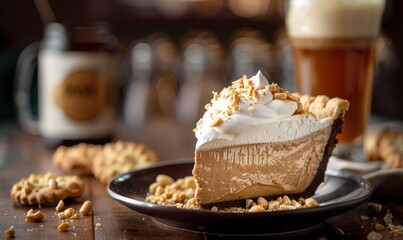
(385, 144)
(121, 157)
(47, 188)
(391, 148)
(76, 159)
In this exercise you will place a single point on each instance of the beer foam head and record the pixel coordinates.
(334, 18)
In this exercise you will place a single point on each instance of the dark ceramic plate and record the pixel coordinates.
(339, 193)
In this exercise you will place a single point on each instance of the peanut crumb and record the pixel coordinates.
(388, 218)
(98, 225)
(32, 216)
(60, 206)
(63, 227)
(374, 207)
(340, 231)
(256, 208)
(9, 232)
(216, 122)
(374, 236)
(379, 227)
(86, 208)
(69, 212)
(61, 215)
(310, 202)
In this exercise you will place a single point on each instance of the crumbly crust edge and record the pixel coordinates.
(322, 106)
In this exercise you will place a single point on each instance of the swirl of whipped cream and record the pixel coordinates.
(247, 113)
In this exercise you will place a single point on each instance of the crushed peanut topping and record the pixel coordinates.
(217, 122)
(379, 227)
(243, 91)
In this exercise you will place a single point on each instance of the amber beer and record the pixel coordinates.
(339, 72)
(334, 54)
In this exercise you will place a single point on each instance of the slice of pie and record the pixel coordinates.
(255, 139)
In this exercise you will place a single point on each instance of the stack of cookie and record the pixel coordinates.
(104, 162)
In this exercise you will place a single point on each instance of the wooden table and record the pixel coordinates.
(22, 154)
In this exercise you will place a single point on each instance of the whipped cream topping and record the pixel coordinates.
(254, 111)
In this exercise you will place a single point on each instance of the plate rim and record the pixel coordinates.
(143, 207)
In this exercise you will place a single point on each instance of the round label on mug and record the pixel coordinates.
(77, 92)
(82, 95)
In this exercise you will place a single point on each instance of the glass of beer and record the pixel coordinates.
(334, 54)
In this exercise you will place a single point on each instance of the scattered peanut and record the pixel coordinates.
(310, 202)
(396, 233)
(60, 206)
(61, 215)
(63, 227)
(164, 180)
(53, 183)
(388, 218)
(153, 188)
(274, 205)
(178, 193)
(98, 225)
(374, 236)
(256, 208)
(86, 208)
(395, 230)
(32, 216)
(9, 232)
(286, 200)
(374, 207)
(262, 202)
(69, 212)
(249, 203)
(339, 231)
(379, 227)
(286, 207)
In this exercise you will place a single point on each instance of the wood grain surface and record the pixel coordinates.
(22, 154)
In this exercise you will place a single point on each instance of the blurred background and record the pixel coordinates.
(174, 52)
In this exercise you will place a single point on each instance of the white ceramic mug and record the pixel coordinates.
(77, 84)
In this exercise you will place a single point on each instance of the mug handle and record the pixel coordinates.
(25, 69)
